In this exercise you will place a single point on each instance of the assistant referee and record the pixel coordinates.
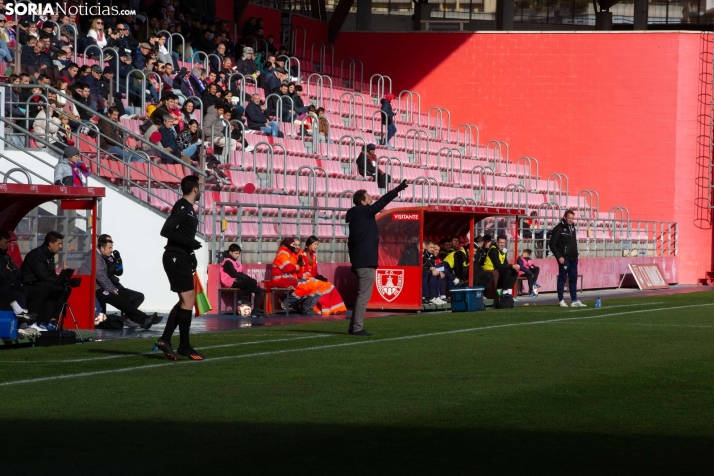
(180, 263)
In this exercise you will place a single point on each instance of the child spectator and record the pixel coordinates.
(529, 270)
(69, 171)
(232, 276)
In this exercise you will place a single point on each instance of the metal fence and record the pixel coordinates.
(556, 12)
(259, 227)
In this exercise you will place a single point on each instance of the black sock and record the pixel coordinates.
(171, 324)
(183, 317)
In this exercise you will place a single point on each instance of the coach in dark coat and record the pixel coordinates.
(363, 246)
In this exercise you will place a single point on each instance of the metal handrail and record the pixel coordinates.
(127, 132)
(381, 86)
(560, 194)
(319, 86)
(236, 122)
(7, 174)
(352, 109)
(418, 153)
(101, 53)
(409, 109)
(383, 128)
(323, 56)
(498, 158)
(468, 134)
(481, 183)
(142, 87)
(421, 180)
(312, 173)
(438, 122)
(293, 40)
(514, 188)
(450, 153)
(206, 65)
(389, 170)
(352, 152)
(527, 163)
(74, 30)
(591, 200)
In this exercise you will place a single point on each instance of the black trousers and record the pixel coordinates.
(532, 278)
(127, 301)
(483, 278)
(250, 286)
(507, 277)
(46, 299)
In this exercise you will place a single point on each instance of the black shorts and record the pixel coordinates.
(179, 269)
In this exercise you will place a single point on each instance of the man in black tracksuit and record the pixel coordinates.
(564, 246)
(481, 277)
(180, 263)
(38, 274)
(496, 260)
(363, 247)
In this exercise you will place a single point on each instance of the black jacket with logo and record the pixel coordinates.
(564, 241)
(39, 266)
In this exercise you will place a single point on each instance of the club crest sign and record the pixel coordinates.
(390, 283)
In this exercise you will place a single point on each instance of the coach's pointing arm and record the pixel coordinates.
(384, 200)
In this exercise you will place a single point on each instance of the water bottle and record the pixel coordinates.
(598, 302)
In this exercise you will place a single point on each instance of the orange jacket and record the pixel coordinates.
(284, 270)
(309, 268)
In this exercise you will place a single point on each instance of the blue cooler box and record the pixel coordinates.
(8, 325)
(467, 299)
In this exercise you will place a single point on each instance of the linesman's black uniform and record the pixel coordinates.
(180, 263)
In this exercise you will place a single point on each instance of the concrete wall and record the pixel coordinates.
(616, 112)
(135, 230)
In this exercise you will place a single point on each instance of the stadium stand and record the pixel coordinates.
(270, 187)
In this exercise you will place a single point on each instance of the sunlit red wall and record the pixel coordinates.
(616, 112)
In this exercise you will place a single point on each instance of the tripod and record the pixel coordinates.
(63, 314)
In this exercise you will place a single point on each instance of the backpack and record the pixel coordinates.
(504, 302)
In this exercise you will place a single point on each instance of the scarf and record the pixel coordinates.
(79, 172)
(200, 83)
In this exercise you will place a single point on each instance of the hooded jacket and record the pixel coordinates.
(63, 169)
(564, 241)
(208, 124)
(387, 108)
(363, 241)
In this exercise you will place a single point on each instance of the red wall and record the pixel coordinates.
(315, 30)
(271, 17)
(616, 112)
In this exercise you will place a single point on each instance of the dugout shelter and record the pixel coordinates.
(77, 217)
(399, 287)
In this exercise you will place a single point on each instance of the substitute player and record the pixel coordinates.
(180, 264)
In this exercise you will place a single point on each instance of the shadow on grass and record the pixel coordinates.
(155, 356)
(212, 448)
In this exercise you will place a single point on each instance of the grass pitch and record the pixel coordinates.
(625, 389)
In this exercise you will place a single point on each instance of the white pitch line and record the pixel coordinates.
(92, 359)
(600, 308)
(648, 325)
(334, 346)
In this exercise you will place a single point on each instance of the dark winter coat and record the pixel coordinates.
(363, 242)
(564, 241)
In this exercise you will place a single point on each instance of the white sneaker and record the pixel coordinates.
(249, 148)
(456, 281)
(437, 301)
(578, 304)
(562, 304)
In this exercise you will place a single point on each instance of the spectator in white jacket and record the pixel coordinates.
(46, 128)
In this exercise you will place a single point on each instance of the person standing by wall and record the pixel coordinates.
(564, 246)
(363, 247)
